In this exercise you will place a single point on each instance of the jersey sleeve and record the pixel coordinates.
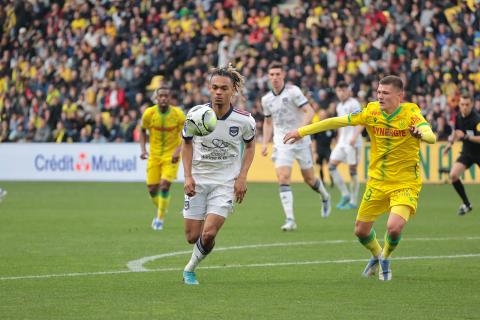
(181, 118)
(416, 117)
(187, 132)
(358, 117)
(146, 119)
(249, 129)
(298, 98)
(266, 109)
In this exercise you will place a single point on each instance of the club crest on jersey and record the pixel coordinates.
(234, 131)
(285, 100)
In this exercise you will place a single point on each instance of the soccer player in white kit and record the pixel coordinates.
(215, 168)
(285, 109)
(347, 149)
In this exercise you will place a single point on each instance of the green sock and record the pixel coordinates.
(390, 245)
(163, 201)
(155, 196)
(371, 243)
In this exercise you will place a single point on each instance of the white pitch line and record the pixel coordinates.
(254, 265)
(138, 265)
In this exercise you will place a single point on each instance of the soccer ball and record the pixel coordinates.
(201, 120)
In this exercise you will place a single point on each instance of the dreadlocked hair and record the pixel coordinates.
(229, 72)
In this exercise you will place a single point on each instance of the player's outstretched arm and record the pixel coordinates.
(187, 156)
(240, 187)
(267, 134)
(324, 125)
(424, 133)
(143, 142)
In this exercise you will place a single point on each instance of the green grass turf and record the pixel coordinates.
(64, 228)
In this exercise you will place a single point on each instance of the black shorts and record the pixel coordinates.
(324, 155)
(468, 160)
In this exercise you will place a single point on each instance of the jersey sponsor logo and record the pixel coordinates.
(216, 144)
(389, 132)
(414, 120)
(233, 131)
(375, 113)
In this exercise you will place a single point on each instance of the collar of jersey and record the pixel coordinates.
(226, 115)
(163, 113)
(283, 88)
(390, 117)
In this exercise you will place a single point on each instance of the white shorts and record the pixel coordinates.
(285, 155)
(209, 198)
(346, 154)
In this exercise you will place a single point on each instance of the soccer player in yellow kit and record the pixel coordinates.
(164, 123)
(395, 129)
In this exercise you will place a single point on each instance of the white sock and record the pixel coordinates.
(320, 188)
(199, 253)
(286, 197)
(338, 180)
(354, 188)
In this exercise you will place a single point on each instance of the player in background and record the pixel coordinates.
(347, 149)
(395, 129)
(467, 129)
(216, 168)
(3, 194)
(164, 123)
(321, 144)
(285, 109)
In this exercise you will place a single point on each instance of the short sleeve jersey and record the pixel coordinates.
(286, 111)
(469, 125)
(164, 130)
(217, 157)
(394, 151)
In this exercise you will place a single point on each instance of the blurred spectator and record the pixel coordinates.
(83, 59)
(43, 132)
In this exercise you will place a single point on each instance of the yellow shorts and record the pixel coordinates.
(380, 197)
(161, 169)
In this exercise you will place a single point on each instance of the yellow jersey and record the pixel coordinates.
(394, 153)
(164, 130)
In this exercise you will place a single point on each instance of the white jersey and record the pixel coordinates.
(351, 105)
(217, 157)
(286, 112)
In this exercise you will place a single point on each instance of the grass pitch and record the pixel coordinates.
(64, 249)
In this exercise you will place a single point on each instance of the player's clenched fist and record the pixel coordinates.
(291, 137)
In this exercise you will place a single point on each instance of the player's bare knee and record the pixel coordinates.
(394, 231)
(310, 180)
(191, 236)
(164, 186)
(353, 171)
(454, 176)
(208, 237)
(153, 188)
(361, 231)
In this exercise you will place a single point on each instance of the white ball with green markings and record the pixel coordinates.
(201, 120)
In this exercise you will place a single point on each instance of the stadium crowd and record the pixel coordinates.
(84, 71)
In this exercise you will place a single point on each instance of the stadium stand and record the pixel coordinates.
(83, 71)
